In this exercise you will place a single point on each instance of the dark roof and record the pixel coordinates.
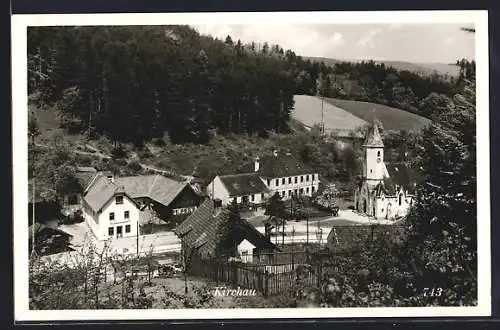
(373, 138)
(282, 166)
(84, 178)
(243, 184)
(203, 231)
(42, 229)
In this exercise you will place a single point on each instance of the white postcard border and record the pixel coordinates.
(20, 151)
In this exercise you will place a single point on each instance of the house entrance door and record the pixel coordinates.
(119, 231)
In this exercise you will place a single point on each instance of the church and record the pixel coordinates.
(384, 191)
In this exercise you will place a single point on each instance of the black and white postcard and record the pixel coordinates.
(251, 165)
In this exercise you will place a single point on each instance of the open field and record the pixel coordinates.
(308, 111)
(391, 118)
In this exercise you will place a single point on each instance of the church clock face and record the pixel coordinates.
(378, 160)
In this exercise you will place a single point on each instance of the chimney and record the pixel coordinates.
(256, 166)
(275, 153)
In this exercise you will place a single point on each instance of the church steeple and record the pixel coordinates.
(374, 169)
(373, 138)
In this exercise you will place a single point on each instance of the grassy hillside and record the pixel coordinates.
(391, 118)
(421, 68)
(308, 111)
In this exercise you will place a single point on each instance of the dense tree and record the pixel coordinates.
(443, 220)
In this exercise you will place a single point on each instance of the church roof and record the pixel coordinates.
(373, 137)
(400, 175)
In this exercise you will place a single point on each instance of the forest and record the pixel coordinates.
(135, 83)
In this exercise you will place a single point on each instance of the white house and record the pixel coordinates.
(383, 191)
(281, 174)
(245, 251)
(109, 211)
(138, 198)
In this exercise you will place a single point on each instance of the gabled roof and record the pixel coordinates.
(203, 231)
(281, 165)
(373, 138)
(100, 192)
(243, 184)
(157, 187)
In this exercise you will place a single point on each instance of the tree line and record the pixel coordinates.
(134, 83)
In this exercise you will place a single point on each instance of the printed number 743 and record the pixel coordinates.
(432, 292)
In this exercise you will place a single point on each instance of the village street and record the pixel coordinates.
(295, 232)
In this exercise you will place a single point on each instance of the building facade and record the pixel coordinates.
(109, 211)
(117, 207)
(281, 174)
(383, 191)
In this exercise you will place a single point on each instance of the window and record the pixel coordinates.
(289, 193)
(289, 180)
(301, 191)
(253, 198)
(313, 177)
(112, 216)
(126, 214)
(378, 155)
(301, 178)
(111, 231)
(244, 253)
(127, 228)
(307, 178)
(277, 182)
(283, 181)
(307, 190)
(268, 182)
(234, 200)
(400, 198)
(295, 179)
(312, 189)
(371, 170)
(119, 199)
(261, 196)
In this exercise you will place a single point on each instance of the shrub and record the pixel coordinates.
(134, 166)
(119, 152)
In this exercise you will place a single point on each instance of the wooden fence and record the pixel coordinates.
(267, 279)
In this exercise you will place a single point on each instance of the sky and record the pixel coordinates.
(420, 43)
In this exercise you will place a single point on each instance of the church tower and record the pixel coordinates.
(374, 169)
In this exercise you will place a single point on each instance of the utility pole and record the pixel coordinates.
(322, 115)
(137, 238)
(307, 229)
(33, 202)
